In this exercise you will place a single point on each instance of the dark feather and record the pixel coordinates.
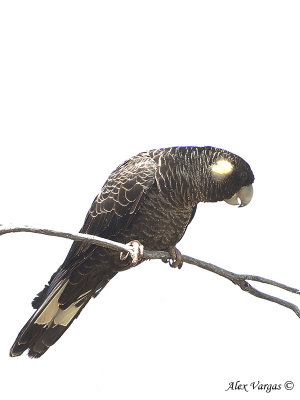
(152, 197)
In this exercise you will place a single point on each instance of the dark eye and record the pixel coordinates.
(243, 176)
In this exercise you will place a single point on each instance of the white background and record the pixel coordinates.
(87, 84)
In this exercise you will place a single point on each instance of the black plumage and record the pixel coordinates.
(152, 197)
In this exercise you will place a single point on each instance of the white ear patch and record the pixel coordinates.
(222, 168)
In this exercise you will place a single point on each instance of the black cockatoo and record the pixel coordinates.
(150, 198)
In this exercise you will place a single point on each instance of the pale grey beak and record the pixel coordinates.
(242, 197)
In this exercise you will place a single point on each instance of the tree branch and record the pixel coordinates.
(238, 279)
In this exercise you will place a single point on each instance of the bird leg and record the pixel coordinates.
(176, 258)
(136, 254)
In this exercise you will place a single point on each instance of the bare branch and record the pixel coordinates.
(77, 237)
(239, 279)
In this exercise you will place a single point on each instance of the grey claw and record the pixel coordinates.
(136, 253)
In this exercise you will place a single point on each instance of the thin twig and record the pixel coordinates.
(239, 279)
(77, 237)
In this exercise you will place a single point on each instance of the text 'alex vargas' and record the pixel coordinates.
(256, 385)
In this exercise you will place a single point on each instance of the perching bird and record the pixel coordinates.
(150, 198)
